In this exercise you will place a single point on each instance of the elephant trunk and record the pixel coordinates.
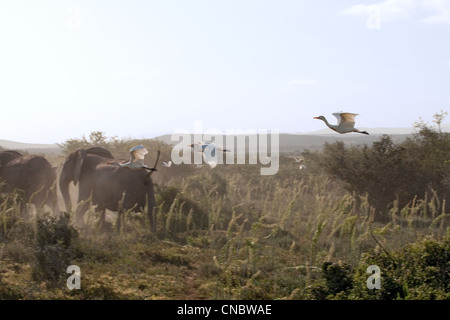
(71, 171)
(64, 188)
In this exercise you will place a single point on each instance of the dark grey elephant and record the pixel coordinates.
(33, 174)
(112, 187)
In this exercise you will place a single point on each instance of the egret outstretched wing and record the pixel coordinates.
(138, 153)
(209, 152)
(297, 159)
(209, 155)
(338, 117)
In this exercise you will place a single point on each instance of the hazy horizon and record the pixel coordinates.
(325, 132)
(143, 68)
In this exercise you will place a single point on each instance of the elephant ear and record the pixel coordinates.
(80, 155)
(8, 155)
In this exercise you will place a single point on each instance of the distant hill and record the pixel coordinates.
(294, 143)
(299, 141)
(289, 142)
(30, 147)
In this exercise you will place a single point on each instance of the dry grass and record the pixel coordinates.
(226, 233)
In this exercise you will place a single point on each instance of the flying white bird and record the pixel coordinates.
(137, 155)
(297, 159)
(346, 122)
(167, 164)
(208, 151)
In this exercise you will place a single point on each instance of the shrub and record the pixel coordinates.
(53, 248)
(337, 278)
(419, 270)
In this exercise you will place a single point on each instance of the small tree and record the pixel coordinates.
(439, 118)
(96, 139)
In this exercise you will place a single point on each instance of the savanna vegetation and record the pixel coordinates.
(230, 233)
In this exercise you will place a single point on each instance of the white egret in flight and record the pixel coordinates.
(209, 151)
(297, 159)
(346, 122)
(167, 164)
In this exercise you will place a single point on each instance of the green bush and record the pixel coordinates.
(53, 248)
(419, 270)
(337, 278)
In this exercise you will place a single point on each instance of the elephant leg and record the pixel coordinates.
(79, 214)
(120, 220)
(83, 206)
(55, 207)
(152, 219)
(52, 201)
(101, 217)
(103, 225)
(23, 210)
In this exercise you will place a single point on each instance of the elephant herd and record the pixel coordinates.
(106, 186)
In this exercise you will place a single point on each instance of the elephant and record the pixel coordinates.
(79, 167)
(111, 187)
(33, 174)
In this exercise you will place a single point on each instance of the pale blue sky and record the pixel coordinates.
(137, 68)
